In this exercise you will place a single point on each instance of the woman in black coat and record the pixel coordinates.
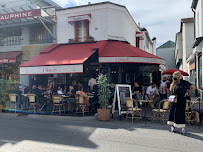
(180, 88)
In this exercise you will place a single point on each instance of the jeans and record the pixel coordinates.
(162, 97)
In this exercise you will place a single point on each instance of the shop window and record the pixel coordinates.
(40, 35)
(12, 36)
(81, 31)
(200, 71)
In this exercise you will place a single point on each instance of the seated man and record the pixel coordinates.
(137, 92)
(152, 93)
(93, 99)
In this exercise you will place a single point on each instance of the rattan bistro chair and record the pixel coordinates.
(189, 111)
(14, 100)
(81, 105)
(58, 104)
(33, 101)
(162, 113)
(132, 110)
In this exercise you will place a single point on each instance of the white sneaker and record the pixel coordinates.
(172, 128)
(183, 130)
(140, 103)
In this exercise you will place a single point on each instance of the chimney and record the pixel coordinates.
(138, 24)
(89, 3)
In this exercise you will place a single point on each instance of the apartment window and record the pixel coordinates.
(137, 42)
(81, 31)
(40, 35)
(200, 71)
(10, 37)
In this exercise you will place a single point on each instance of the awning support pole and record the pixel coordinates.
(46, 28)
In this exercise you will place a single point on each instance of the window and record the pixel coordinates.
(200, 71)
(137, 42)
(81, 31)
(12, 36)
(40, 35)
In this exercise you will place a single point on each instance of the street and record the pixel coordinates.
(41, 133)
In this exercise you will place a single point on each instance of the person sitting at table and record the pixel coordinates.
(85, 96)
(59, 90)
(73, 88)
(152, 93)
(92, 93)
(35, 90)
(137, 92)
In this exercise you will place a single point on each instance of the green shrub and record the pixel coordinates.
(103, 91)
(5, 89)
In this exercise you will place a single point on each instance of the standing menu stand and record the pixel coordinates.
(122, 92)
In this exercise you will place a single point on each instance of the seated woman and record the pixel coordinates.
(85, 96)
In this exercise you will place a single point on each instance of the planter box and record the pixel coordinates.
(103, 115)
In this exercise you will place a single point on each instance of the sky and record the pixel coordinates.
(160, 17)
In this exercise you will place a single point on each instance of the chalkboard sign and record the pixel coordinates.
(122, 92)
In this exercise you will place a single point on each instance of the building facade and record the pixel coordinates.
(183, 47)
(26, 28)
(103, 26)
(167, 52)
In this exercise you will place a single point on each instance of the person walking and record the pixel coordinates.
(180, 88)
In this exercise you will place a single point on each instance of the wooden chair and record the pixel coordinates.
(132, 110)
(14, 99)
(162, 113)
(81, 105)
(189, 112)
(33, 101)
(58, 103)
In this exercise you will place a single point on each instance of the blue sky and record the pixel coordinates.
(160, 17)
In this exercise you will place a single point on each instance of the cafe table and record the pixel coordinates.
(145, 103)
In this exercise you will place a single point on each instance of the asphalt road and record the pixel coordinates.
(38, 133)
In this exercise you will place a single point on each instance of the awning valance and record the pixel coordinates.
(9, 57)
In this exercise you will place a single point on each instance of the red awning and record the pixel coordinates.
(121, 52)
(69, 58)
(9, 57)
(59, 59)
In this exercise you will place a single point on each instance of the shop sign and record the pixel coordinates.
(79, 18)
(60, 69)
(131, 60)
(7, 60)
(22, 14)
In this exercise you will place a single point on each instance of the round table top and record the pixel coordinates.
(145, 100)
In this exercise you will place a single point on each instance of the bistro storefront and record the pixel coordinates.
(120, 61)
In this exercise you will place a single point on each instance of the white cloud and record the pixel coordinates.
(160, 17)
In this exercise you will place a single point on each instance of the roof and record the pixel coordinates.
(194, 4)
(185, 20)
(168, 44)
(122, 49)
(91, 4)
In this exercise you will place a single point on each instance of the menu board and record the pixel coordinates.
(122, 92)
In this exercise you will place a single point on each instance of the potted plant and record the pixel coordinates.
(4, 91)
(104, 95)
